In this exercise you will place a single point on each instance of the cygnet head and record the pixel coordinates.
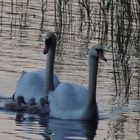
(32, 101)
(50, 41)
(97, 52)
(20, 100)
(43, 101)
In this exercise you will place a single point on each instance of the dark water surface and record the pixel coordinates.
(21, 45)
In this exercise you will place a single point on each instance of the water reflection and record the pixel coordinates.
(72, 129)
(126, 127)
(55, 129)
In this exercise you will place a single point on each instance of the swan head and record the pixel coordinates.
(97, 52)
(50, 41)
(20, 100)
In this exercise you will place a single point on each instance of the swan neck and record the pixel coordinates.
(91, 109)
(93, 69)
(49, 84)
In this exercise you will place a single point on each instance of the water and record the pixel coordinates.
(21, 45)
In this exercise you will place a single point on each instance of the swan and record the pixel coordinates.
(32, 102)
(31, 84)
(73, 101)
(40, 108)
(19, 105)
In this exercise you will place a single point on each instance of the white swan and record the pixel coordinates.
(72, 101)
(31, 84)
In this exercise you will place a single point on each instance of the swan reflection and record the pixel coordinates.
(56, 129)
(69, 129)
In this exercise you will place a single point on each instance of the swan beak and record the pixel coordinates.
(46, 48)
(102, 57)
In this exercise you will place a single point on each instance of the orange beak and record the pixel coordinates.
(46, 48)
(102, 57)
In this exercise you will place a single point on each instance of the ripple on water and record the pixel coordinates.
(36, 127)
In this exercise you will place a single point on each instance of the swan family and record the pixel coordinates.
(65, 100)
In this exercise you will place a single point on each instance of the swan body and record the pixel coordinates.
(68, 101)
(31, 84)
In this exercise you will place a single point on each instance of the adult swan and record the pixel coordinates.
(31, 84)
(72, 101)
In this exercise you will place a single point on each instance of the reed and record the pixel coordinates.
(125, 44)
(43, 10)
(121, 26)
(1, 17)
(115, 23)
